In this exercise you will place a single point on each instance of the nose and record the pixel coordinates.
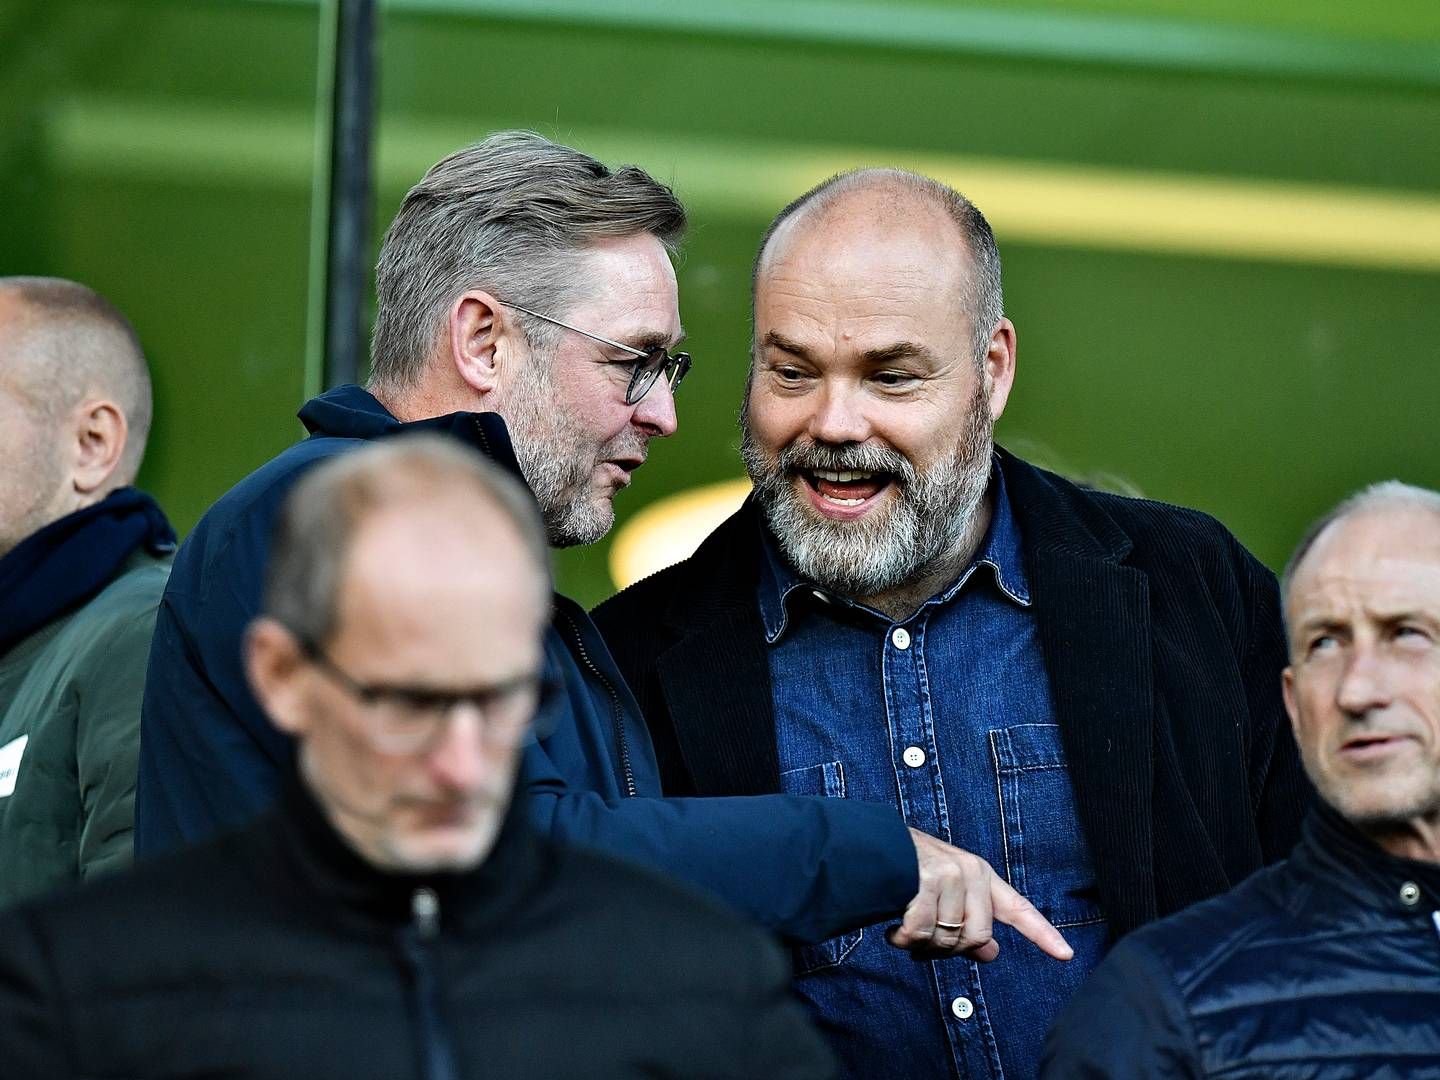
(655, 412)
(458, 760)
(1364, 685)
(838, 416)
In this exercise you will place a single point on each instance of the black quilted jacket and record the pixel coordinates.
(1325, 966)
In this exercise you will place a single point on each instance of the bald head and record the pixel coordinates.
(1390, 498)
(74, 402)
(879, 203)
(325, 512)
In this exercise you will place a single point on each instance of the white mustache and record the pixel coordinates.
(857, 457)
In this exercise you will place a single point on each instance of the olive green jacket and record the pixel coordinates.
(70, 735)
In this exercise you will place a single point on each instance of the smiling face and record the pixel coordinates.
(1363, 687)
(577, 441)
(867, 425)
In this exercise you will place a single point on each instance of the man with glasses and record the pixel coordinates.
(395, 916)
(527, 306)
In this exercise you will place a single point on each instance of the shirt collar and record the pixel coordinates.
(1000, 553)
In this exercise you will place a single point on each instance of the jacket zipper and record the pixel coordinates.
(437, 1056)
(617, 717)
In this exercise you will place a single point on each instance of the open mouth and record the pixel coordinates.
(845, 489)
(623, 468)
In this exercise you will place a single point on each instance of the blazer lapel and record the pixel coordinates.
(1093, 612)
(715, 678)
(1094, 619)
(716, 683)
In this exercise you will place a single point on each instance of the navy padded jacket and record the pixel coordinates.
(1325, 966)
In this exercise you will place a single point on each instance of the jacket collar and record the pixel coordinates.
(1342, 858)
(341, 886)
(352, 412)
(63, 565)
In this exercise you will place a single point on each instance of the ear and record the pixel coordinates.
(484, 337)
(277, 670)
(99, 433)
(1287, 691)
(998, 367)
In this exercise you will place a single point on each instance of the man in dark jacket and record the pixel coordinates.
(393, 918)
(83, 560)
(526, 305)
(1327, 965)
(1079, 689)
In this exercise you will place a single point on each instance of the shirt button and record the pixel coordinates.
(901, 638)
(913, 756)
(1409, 892)
(963, 1008)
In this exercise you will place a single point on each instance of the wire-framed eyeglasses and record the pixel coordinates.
(649, 362)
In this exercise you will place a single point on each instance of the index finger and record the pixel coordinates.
(1014, 910)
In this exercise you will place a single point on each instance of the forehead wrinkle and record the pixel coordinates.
(1382, 590)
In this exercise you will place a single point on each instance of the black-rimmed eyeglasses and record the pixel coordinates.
(407, 719)
(649, 362)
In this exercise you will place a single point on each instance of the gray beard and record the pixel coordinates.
(547, 444)
(886, 549)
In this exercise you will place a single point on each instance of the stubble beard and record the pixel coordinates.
(30, 494)
(1381, 805)
(549, 445)
(928, 518)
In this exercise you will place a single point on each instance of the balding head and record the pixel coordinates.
(1389, 497)
(884, 200)
(74, 402)
(405, 607)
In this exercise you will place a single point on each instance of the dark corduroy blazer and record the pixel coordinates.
(1164, 646)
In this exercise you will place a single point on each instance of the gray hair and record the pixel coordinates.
(1386, 495)
(74, 342)
(512, 215)
(324, 510)
(984, 296)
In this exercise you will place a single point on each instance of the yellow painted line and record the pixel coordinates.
(1043, 203)
(670, 529)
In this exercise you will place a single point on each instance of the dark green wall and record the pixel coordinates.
(162, 152)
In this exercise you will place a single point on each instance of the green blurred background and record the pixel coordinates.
(1219, 218)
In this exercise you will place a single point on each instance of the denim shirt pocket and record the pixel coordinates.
(826, 780)
(1046, 856)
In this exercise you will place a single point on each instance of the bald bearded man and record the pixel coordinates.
(83, 562)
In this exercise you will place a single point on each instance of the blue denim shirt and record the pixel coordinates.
(947, 716)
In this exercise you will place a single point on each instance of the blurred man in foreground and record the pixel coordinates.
(526, 306)
(83, 561)
(395, 916)
(1327, 965)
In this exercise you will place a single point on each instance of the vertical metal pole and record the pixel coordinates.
(347, 247)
